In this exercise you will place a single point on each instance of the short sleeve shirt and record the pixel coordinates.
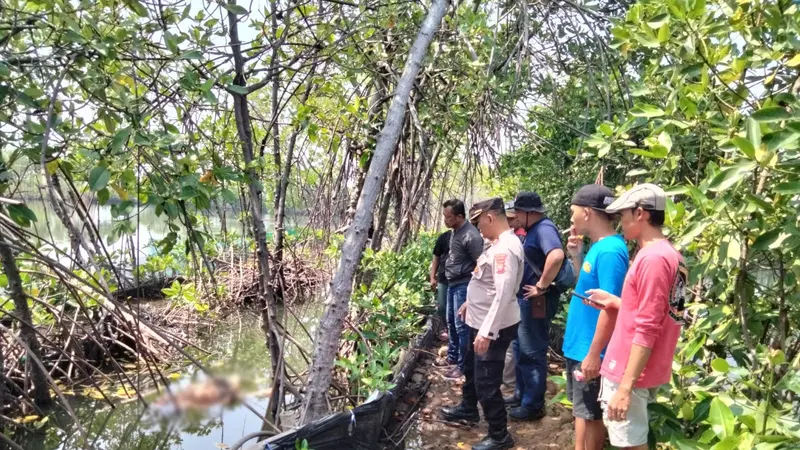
(541, 238)
(604, 267)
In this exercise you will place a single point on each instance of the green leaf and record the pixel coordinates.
(753, 132)
(235, 9)
(657, 21)
(103, 196)
(3, 280)
(698, 8)
(193, 54)
(783, 139)
(770, 240)
(120, 139)
(721, 418)
(22, 215)
(229, 197)
(745, 146)
(237, 89)
(137, 7)
(720, 365)
(729, 443)
(648, 111)
(171, 41)
(771, 114)
(98, 178)
(656, 151)
(794, 62)
(730, 176)
(788, 188)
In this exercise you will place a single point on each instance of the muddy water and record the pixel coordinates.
(237, 348)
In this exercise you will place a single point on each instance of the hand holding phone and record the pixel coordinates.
(585, 298)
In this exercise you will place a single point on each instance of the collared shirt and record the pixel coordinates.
(491, 295)
(466, 245)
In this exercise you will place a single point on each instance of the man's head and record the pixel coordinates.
(529, 208)
(589, 208)
(454, 213)
(491, 217)
(511, 215)
(641, 210)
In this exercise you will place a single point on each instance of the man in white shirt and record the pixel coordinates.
(492, 314)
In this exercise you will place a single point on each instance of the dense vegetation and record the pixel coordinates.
(233, 123)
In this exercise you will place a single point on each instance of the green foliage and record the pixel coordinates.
(391, 313)
(185, 294)
(714, 117)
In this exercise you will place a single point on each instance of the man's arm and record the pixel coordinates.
(473, 242)
(552, 264)
(434, 270)
(505, 269)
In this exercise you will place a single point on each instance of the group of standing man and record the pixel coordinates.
(499, 274)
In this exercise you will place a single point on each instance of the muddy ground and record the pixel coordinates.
(553, 432)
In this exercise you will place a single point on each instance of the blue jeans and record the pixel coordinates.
(457, 329)
(441, 301)
(530, 352)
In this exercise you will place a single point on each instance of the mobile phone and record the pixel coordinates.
(583, 297)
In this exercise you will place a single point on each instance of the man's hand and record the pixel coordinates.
(462, 312)
(602, 300)
(590, 366)
(434, 283)
(532, 292)
(619, 404)
(575, 243)
(481, 345)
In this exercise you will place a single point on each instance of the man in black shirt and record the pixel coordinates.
(438, 278)
(466, 245)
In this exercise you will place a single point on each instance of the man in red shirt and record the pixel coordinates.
(639, 356)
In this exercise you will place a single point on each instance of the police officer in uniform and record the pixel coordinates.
(492, 314)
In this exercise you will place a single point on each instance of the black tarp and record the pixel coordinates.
(360, 428)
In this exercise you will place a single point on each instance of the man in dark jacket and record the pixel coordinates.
(466, 246)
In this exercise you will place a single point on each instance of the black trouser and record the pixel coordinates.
(484, 375)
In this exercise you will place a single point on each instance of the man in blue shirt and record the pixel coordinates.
(589, 329)
(538, 303)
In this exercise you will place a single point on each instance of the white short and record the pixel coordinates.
(632, 431)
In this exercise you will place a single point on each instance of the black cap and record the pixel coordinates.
(492, 204)
(595, 196)
(529, 202)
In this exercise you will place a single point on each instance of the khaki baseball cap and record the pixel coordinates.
(645, 196)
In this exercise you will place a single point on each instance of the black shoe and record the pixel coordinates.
(512, 401)
(461, 414)
(524, 414)
(495, 443)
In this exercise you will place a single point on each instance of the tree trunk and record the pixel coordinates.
(283, 187)
(383, 212)
(403, 230)
(245, 133)
(330, 329)
(41, 392)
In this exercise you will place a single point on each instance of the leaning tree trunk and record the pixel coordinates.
(330, 329)
(41, 392)
(245, 132)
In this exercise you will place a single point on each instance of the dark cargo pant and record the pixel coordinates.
(484, 375)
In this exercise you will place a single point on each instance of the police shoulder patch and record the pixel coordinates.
(500, 263)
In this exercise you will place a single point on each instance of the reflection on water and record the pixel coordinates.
(237, 347)
(147, 226)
